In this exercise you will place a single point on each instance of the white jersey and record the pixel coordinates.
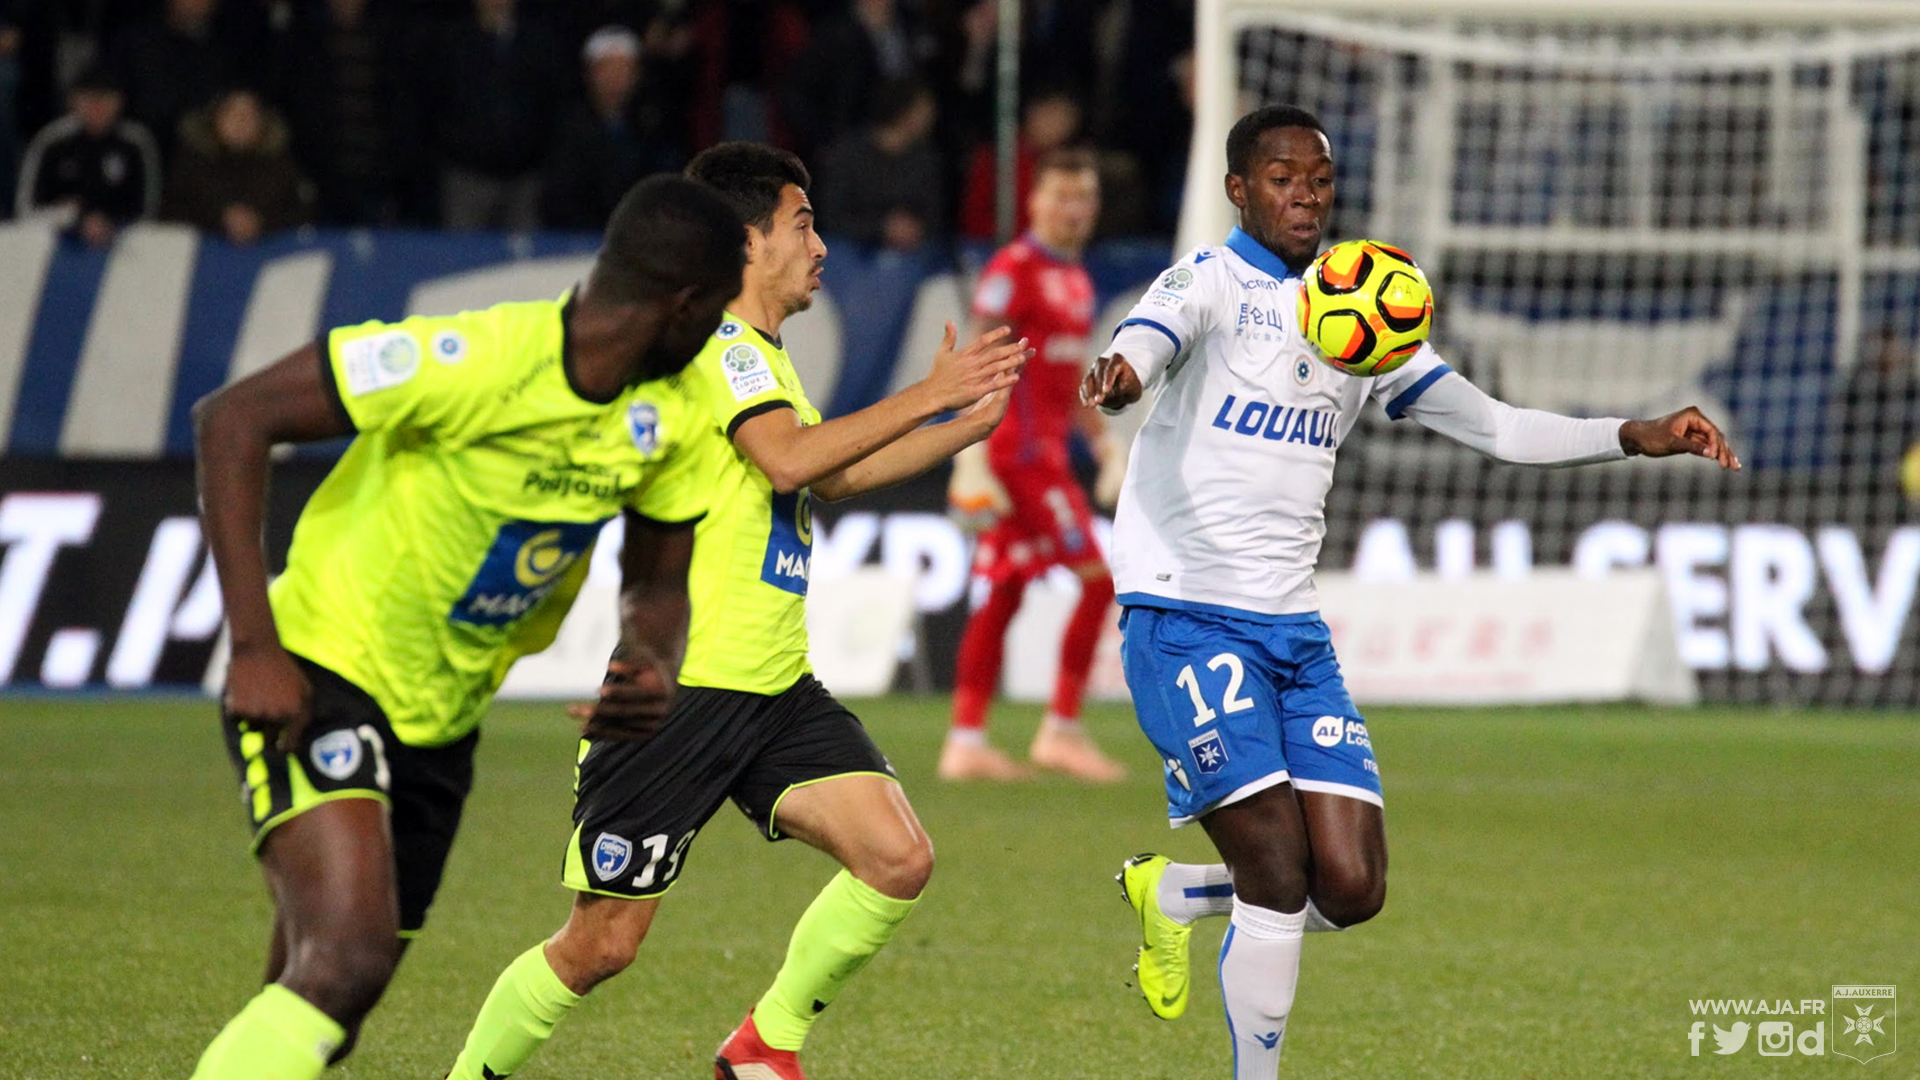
(1223, 507)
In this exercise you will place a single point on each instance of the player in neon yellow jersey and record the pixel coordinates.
(750, 722)
(490, 447)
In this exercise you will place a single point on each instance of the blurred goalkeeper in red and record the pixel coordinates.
(1019, 487)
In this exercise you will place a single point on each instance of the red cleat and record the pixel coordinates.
(744, 1056)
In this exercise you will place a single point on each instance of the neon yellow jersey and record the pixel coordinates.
(752, 552)
(453, 535)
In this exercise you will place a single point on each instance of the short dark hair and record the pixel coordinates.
(751, 176)
(1248, 129)
(669, 233)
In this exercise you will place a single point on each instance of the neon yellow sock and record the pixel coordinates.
(844, 926)
(527, 1000)
(278, 1036)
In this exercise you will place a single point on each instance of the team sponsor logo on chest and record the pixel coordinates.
(1264, 310)
(1257, 419)
(788, 562)
(527, 561)
(1262, 320)
(571, 479)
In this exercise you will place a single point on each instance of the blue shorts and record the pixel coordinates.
(1237, 705)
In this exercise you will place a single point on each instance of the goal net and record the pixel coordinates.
(1625, 208)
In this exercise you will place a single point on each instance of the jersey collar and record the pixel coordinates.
(771, 339)
(1257, 255)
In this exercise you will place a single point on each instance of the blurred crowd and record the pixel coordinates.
(243, 117)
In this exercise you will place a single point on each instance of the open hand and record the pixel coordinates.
(1685, 432)
(267, 691)
(990, 362)
(1110, 383)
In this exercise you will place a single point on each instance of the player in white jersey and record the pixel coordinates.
(1217, 533)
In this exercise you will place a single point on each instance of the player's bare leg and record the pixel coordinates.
(1062, 744)
(1264, 841)
(278, 944)
(866, 823)
(338, 917)
(332, 873)
(1348, 839)
(600, 939)
(544, 983)
(1299, 860)
(967, 755)
(1346, 878)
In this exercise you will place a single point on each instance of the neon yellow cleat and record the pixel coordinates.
(1162, 967)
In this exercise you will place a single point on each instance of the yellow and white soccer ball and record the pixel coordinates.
(1365, 306)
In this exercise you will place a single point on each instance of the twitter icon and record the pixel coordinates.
(1730, 1042)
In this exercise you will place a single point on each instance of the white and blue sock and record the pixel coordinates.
(1190, 891)
(1259, 968)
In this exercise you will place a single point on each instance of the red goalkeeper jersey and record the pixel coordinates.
(1047, 299)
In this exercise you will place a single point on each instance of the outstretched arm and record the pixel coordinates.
(1462, 412)
(795, 455)
(234, 431)
(917, 452)
(1685, 432)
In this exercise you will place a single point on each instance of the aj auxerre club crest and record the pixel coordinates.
(611, 854)
(1865, 1022)
(1209, 752)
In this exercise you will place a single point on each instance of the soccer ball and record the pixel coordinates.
(1365, 306)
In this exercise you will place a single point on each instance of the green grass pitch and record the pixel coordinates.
(1563, 882)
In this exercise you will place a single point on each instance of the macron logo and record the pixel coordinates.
(1270, 1040)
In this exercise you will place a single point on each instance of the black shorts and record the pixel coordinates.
(349, 752)
(637, 805)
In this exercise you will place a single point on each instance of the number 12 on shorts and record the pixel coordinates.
(1231, 702)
